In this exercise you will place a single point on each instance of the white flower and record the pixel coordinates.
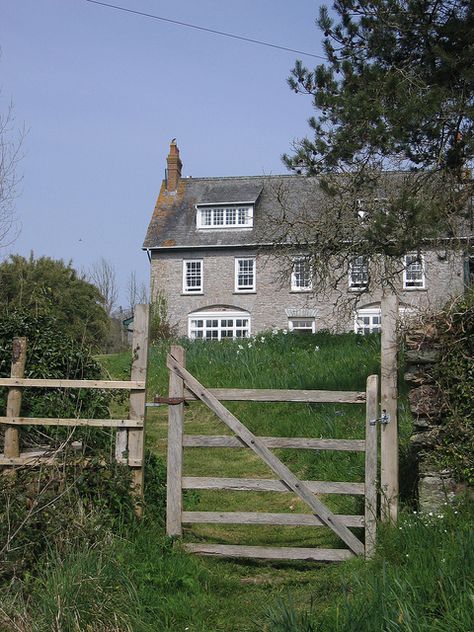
(284, 332)
(316, 348)
(249, 345)
(262, 339)
(238, 351)
(240, 346)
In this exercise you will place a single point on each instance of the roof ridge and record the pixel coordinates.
(214, 178)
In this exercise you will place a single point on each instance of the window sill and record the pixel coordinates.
(191, 293)
(358, 289)
(244, 292)
(415, 289)
(301, 291)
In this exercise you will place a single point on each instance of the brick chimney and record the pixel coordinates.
(173, 172)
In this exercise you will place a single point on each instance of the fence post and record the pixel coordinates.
(389, 393)
(12, 433)
(136, 438)
(371, 423)
(174, 500)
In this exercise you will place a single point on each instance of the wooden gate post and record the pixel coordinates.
(174, 500)
(372, 415)
(12, 433)
(136, 438)
(389, 393)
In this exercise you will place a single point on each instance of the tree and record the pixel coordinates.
(397, 87)
(137, 292)
(51, 287)
(393, 128)
(102, 275)
(10, 146)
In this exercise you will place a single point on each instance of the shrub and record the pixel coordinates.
(51, 354)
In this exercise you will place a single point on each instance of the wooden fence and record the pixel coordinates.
(183, 387)
(130, 432)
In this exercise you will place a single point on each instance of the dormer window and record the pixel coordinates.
(235, 216)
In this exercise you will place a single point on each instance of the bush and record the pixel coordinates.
(51, 354)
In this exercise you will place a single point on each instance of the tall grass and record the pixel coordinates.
(130, 578)
(422, 580)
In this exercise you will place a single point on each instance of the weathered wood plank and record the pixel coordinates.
(372, 414)
(270, 553)
(48, 458)
(283, 519)
(136, 438)
(174, 502)
(223, 441)
(389, 394)
(270, 485)
(280, 469)
(12, 434)
(58, 421)
(131, 385)
(282, 395)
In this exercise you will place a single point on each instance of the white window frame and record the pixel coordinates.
(197, 325)
(295, 287)
(224, 217)
(302, 323)
(361, 285)
(192, 289)
(367, 312)
(245, 289)
(411, 284)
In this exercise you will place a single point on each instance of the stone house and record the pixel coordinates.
(212, 259)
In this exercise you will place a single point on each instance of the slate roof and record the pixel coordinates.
(173, 224)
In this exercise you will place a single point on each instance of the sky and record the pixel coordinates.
(102, 92)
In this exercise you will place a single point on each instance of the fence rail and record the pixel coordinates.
(129, 432)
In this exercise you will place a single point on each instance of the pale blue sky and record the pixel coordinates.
(102, 93)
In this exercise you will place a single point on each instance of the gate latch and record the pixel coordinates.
(171, 401)
(384, 419)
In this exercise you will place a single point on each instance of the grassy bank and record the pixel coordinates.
(123, 575)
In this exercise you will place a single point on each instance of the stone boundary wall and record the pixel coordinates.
(436, 485)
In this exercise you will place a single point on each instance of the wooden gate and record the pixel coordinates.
(183, 387)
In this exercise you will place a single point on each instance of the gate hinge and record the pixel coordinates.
(384, 419)
(171, 401)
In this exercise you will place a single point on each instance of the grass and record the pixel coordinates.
(132, 578)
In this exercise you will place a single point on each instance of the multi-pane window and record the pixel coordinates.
(368, 321)
(192, 276)
(245, 274)
(216, 326)
(358, 273)
(222, 216)
(301, 275)
(302, 325)
(414, 272)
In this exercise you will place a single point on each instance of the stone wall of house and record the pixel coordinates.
(273, 302)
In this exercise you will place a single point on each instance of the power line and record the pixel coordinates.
(203, 28)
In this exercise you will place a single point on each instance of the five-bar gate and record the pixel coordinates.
(183, 387)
